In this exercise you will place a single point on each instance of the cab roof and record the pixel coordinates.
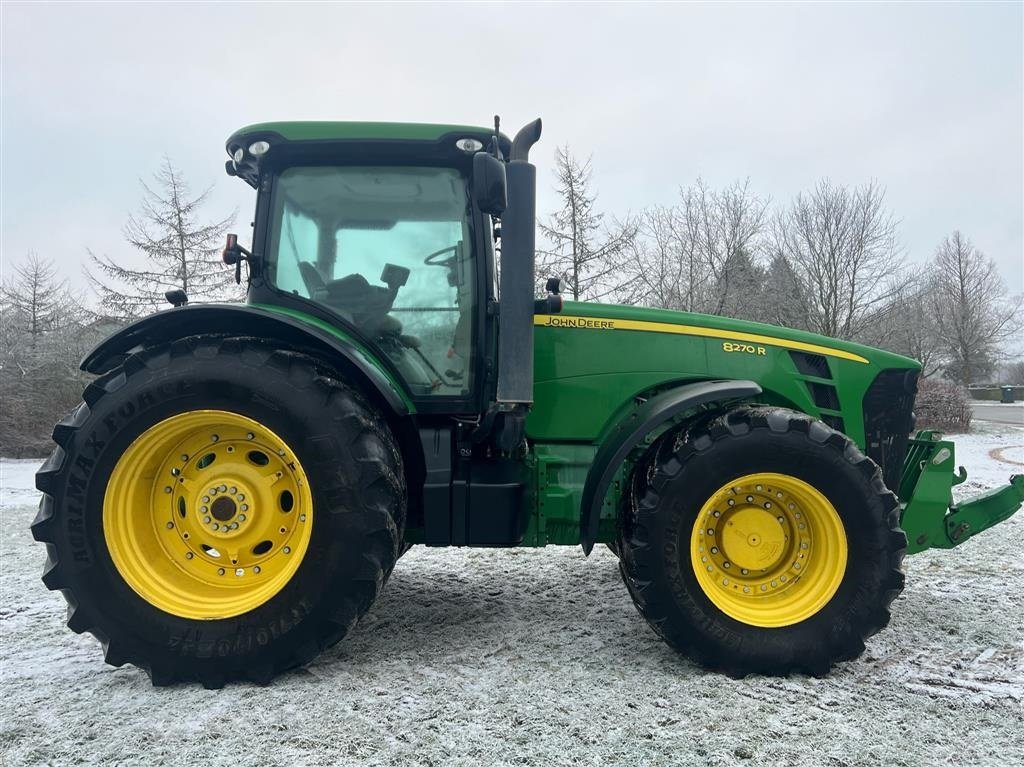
(365, 131)
(388, 139)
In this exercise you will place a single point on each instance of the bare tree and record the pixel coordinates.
(585, 252)
(661, 266)
(35, 301)
(905, 324)
(842, 244)
(973, 316)
(181, 251)
(41, 342)
(1013, 373)
(702, 253)
(727, 226)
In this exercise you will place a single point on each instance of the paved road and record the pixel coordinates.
(997, 413)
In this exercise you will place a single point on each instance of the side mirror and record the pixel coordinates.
(490, 192)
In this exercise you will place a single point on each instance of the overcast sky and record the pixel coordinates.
(925, 98)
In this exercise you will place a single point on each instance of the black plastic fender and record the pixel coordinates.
(630, 432)
(245, 320)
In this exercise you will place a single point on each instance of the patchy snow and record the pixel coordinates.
(538, 657)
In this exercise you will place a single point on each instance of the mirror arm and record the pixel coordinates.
(234, 253)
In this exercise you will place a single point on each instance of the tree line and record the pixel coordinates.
(46, 327)
(829, 261)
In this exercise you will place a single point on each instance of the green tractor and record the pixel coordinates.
(237, 485)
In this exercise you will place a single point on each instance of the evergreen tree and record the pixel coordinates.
(181, 251)
(585, 253)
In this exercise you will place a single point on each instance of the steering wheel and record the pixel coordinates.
(314, 282)
(433, 260)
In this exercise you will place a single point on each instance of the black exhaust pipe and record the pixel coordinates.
(518, 233)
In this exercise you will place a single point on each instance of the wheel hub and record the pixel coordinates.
(753, 538)
(229, 514)
(769, 549)
(223, 509)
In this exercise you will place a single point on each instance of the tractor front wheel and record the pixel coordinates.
(762, 542)
(217, 510)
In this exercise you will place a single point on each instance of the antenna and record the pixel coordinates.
(497, 143)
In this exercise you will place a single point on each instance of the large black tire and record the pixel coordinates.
(682, 471)
(355, 474)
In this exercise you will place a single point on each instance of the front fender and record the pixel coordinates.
(322, 340)
(631, 431)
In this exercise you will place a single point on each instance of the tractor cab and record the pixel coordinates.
(384, 232)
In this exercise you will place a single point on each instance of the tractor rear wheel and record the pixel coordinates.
(762, 541)
(218, 510)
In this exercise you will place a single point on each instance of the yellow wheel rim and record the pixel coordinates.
(769, 550)
(207, 514)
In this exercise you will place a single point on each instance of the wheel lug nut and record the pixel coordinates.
(767, 504)
(204, 509)
(184, 458)
(233, 490)
(206, 499)
(302, 517)
(220, 571)
(782, 520)
(244, 507)
(256, 569)
(215, 438)
(175, 472)
(170, 525)
(250, 435)
(750, 499)
(241, 498)
(726, 565)
(206, 519)
(241, 517)
(189, 555)
(287, 549)
(222, 488)
(167, 489)
(239, 572)
(216, 526)
(745, 571)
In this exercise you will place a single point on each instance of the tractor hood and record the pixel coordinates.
(591, 358)
(740, 332)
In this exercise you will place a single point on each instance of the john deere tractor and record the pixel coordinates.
(240, 480)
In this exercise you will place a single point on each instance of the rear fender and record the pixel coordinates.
(320, 340)
(631, 432)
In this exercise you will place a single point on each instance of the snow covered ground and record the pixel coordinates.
(538, 657)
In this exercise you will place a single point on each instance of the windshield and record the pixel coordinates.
(389, 250)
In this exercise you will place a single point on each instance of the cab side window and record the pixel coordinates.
(388, 250)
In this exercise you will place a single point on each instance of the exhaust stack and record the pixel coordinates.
(516, 286)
